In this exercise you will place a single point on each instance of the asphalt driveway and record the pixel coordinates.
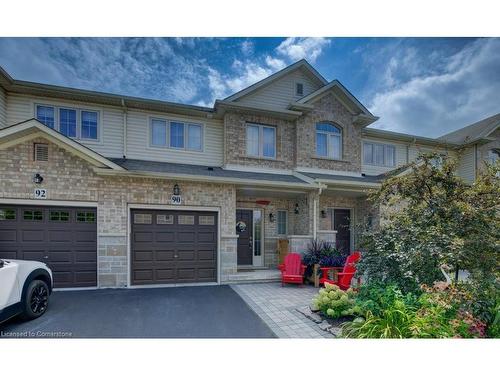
(183, 312)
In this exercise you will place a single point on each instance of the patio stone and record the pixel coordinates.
(284, 309)
(325, 326)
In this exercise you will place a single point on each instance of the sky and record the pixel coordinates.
(421, 86)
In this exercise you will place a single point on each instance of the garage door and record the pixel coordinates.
(173, 247)
(63, 237)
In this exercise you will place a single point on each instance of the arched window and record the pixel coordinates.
(328, 140)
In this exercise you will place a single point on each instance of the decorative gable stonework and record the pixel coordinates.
(328, 109)
(235, 141)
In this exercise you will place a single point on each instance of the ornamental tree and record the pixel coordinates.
(431, 218)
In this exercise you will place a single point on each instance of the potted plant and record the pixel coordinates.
(320, 254)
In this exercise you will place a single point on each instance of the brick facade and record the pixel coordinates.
(235, 141)
(328, 109)
(70, 178)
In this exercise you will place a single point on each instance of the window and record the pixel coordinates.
(67, 122)
(206, 220)
(89, 125)
(45, 115)
(164, 219)
(71, 122)
(186, 219)
(143, 218)
(158, 132)
(328, 141)
(261, 141)
(299, 89)
(194, 137)
(379, 154)
(493, 155)
(59, 216)
(177, 134)
(282, 222)
(7, 214)
(85, 217)
(32, 215)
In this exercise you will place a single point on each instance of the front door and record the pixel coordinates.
(244, 230)
(341, 223)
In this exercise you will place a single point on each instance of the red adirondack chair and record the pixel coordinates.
(342, 279)
(292, 270)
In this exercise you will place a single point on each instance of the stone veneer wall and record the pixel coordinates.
(328, 109)
(68, 177)
(235, 141)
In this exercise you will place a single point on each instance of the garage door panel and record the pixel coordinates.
(67, 245)
(162, 255)
(181, 243)
(8, 235)
(143, 237)
(164, 237)
(33, 235)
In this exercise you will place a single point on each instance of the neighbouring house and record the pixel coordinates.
(117, 191)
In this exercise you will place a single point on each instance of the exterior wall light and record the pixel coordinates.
(38, 179)
(177, 190)
(296, 209)
(323, 214)
(272, 218)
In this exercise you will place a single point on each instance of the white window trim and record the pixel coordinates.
(261, 141)
(167, 144)
(277, 223)
(329, 142)
(78, 110)
(373, 154)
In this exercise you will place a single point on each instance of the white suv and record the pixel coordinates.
(25, 287)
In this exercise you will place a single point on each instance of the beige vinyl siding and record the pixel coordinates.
(280, 93)
(110, 143)
(138, 140)
(466, 164)
(3, 108)
(401, 154)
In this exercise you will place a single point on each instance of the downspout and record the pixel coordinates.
(124, 129)
(315, 212)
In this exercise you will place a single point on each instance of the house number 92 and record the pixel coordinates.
(40, 194)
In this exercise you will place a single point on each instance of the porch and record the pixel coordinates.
(272, 223)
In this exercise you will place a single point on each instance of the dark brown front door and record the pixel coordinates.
(244, 230)
(341, 223)
(65, 238)
(170, 247)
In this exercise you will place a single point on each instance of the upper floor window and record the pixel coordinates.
(379, 154)
(176, 134)
(71, 122)
(46, 115)
(261, 141)
(328, 141)
(493, 155)
(299, 89)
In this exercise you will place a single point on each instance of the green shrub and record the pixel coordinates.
(334, 302)
(375, 298)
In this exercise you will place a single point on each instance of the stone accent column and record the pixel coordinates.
(228, 257)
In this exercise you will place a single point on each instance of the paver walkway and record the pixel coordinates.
(276, 306)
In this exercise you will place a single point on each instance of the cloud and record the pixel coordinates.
(274, 63)
(450, 92)
(302, 48)
(247, 47)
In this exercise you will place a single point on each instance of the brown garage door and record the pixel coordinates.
(173, 247)
(63, 237)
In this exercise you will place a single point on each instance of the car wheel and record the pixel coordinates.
(36, 300)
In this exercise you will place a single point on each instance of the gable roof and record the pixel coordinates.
(279, 74)
(347, 99)
(30, 129)
(474, 132)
